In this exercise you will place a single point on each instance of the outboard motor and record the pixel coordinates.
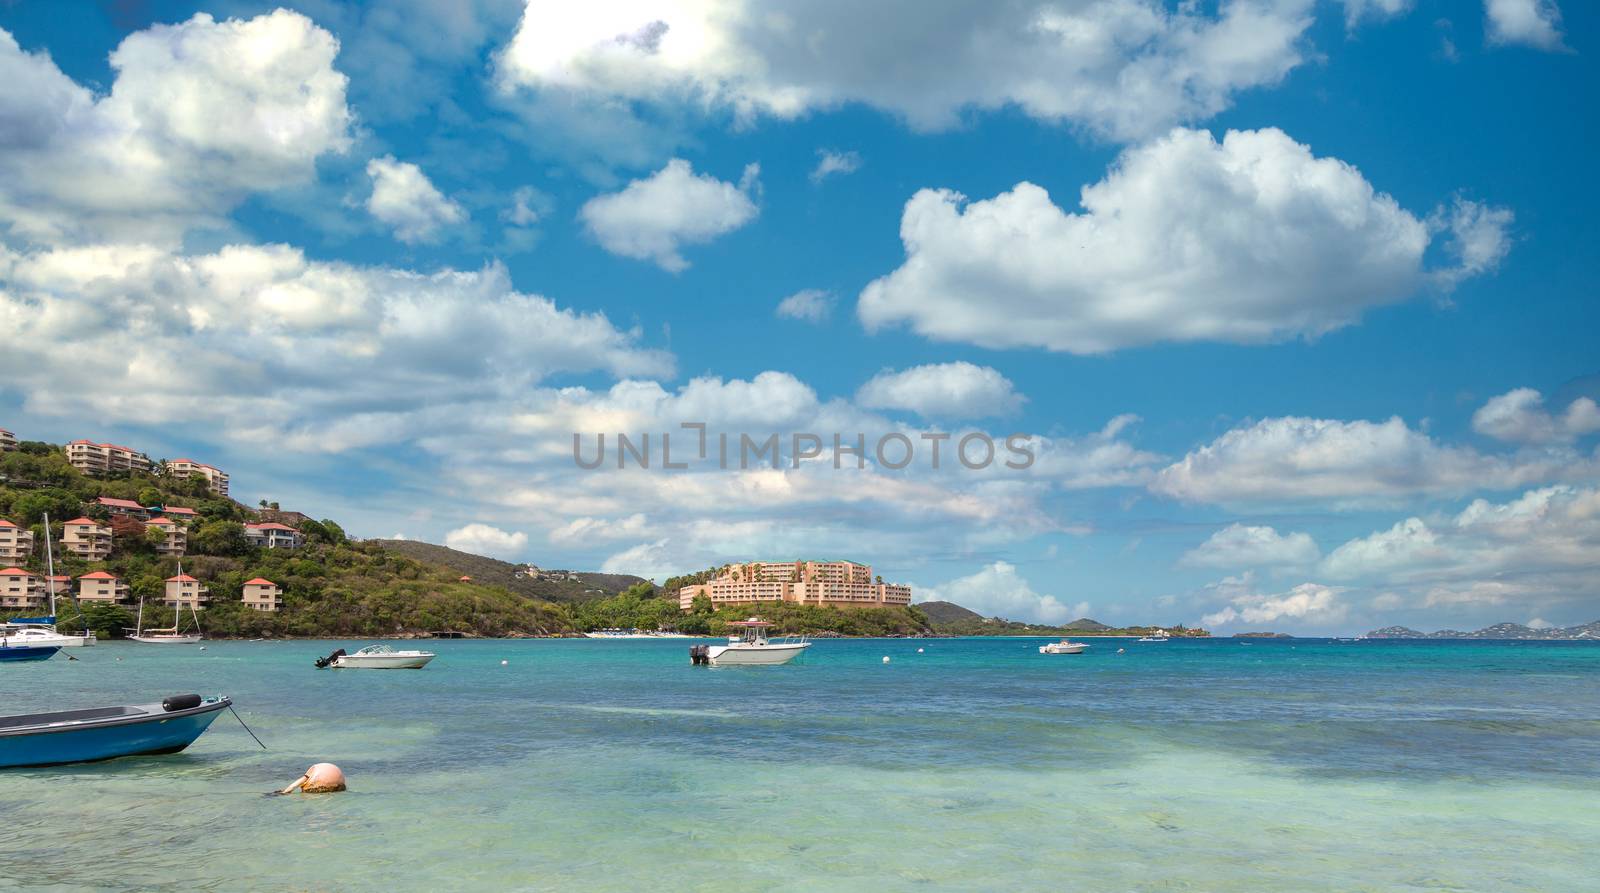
(324, 662)
(180, 702)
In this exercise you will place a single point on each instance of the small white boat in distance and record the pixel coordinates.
(1159, 635)
(1065, 646)
(377, 657)
(750, 647)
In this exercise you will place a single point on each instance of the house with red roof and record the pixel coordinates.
(216, 479)
(263, 595)
(175, 539)
(20, 588)
(86, 538)
(272, 535)
(105, 459)
(184, 591)
(103, 587)
(126, 508)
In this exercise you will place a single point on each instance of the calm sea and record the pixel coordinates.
(977, 764)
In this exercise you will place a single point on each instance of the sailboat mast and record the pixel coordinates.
(50, 567)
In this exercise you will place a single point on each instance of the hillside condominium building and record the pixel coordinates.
(16, 544)
(829, 583)
(215, 478)
(101, 459)
(8, 441)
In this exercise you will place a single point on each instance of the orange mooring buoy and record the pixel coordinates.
(322, 778)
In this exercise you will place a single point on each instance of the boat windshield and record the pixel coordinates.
(376, 649)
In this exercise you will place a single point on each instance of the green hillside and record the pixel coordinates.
(587, 586)
(332, 586)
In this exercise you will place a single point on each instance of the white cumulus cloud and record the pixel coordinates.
(199, 115)
(1345, 464)
(484, 539)
(1534, 23)
(1249, 240)
(1121, 68)
(1520, 416)
(942, 390)
(999, 591)
(406, 200)
(1308, 604)
(651, 219)
(1243, 546)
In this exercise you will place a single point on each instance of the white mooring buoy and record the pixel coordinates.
(504, 663)
(886, 658)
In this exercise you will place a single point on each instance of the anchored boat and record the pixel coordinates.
(42, 630)
(9, 652)
(376, 657)
(1065, 646)
(750, 647)
(102, 733)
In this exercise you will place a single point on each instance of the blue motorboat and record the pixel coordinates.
(16, 651)
(102, 733)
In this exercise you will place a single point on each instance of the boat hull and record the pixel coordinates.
(27, 652)
(165, 640)
(1062, 649)
(766, 655)
(382, 662)
(154, 733)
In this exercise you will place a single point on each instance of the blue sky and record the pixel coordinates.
(1293, 295)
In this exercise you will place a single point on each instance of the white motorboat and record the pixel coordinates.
(750, 647)
(1065, 646)
(376, 657)
(1159, 635)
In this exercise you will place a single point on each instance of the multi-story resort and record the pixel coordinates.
(105, 459)
(826, 583)
(215, 478)
(86, 538)
(184, 591)
(174, 540)
(263, 595)
(8, 441)
(273, 535)
(16, 544)
(19, 588)
(103, 587)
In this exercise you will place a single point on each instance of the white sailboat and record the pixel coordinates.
(172, 635)
(42, 630)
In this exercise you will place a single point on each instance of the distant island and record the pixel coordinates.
(1262, 635)
(1498, 631)
(951, 619)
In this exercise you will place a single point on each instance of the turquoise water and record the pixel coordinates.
(977, 765)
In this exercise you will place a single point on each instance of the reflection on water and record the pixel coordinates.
(980, 764)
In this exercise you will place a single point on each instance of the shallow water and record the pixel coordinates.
(979, 764)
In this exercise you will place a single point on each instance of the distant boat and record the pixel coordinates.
(168, 635)
(376, 657)
(1065, 646)
(101, 733)
(1159, 635)
(615, 633)
(750, 647)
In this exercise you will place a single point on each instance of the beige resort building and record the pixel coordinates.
(184, 591)
(16, 544)
(216, 478)
(100, 459)
(828, 583)
(103, 587)
(263, 595)
(86, 538)
(176, 541)
(20, 588)
(8, 441)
